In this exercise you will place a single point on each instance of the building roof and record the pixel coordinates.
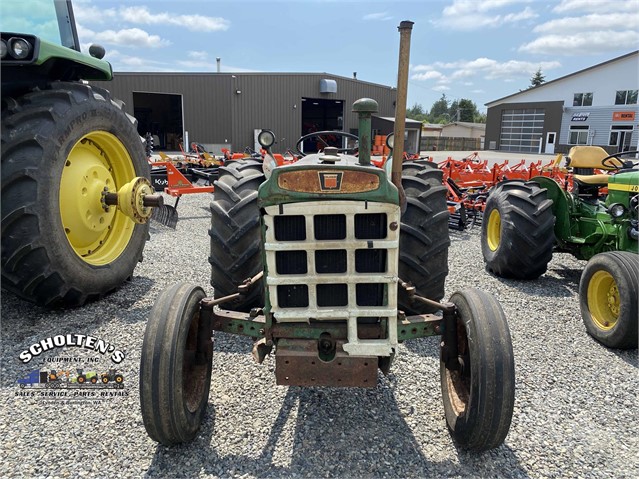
(579, 72)
(408, 120)
(432, 126)
(466, 124)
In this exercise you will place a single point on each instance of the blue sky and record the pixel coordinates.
(476, 49)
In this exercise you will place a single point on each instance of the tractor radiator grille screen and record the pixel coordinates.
(339, 264)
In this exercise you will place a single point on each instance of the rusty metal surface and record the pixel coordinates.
(297, 364)
(310, 181)
(418, 326)
(237, 323)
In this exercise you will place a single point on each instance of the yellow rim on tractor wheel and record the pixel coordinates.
(97, 234)
(603, 300)
(493, 231)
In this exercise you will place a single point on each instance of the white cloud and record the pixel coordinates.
(596, 6)
(580, 44)
(378, 16)
(133, 37)
(143, 15)
(441, 88)
(483, 67)
(198, 55)
(588, 23)
(430, 75)
(473, 15)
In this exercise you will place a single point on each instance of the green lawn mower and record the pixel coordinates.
(594, 217)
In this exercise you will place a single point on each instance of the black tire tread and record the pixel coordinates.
(527, 230)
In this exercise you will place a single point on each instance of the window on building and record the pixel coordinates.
(578, 135)
(582, 99)
(620, 136)
(626, 97)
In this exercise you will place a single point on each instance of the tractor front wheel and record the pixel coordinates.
(518, 230)
(608, 292)
(479, 393)
(175, 367)
(63, 148)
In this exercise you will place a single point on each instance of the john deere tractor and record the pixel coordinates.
(595, 218)
(75, 188)
(330, 263)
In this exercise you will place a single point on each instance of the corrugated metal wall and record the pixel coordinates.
(214, 113)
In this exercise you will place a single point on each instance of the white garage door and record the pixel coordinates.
(521, 129)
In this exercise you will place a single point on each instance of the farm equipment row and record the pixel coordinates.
(60, 379)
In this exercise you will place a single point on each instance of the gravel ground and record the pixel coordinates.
(575, 415)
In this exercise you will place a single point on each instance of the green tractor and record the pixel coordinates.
(330, 263)
(596, 220)
(76, 193)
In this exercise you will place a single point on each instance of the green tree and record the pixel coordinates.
(439, 110)
(463, 110)
(537, 79)
(416, 112)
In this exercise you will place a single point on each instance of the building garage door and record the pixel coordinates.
(521, 129)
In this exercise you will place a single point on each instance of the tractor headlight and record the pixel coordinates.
(3, 49)
(617, 210)
(390, 140)
(266, 138)
(19, 48)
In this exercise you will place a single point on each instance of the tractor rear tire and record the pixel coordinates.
(479, 397)
(175, 376)
(424, 239)
(59, 146)
(608, 292)
(236, 238)
(518, 230)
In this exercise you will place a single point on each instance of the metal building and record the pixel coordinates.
(229, 109)
(594, 106)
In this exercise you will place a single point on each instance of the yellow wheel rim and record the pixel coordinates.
(493, 231)
(98, 161)
(603, 300)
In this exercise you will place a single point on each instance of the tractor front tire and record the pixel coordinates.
(60, 147)
(236, 238)
(175, 374)
(479, 396)
(518, 230)
(424, 239)
(608, 292)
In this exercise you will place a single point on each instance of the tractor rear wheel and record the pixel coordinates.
(424, 240)
(479, 396)
(608, 292)
(175, 373)
(518, 230)
(236, 239)
(60, 148)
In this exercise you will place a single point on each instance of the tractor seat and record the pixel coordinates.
(590, 157)
(592, 180)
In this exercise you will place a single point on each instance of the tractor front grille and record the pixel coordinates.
(337, 265)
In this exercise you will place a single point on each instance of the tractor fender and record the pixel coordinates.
(560, 205)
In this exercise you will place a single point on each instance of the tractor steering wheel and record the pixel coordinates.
(619, 164)
(319, 135)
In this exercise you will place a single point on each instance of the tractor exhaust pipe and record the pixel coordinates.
(405, 28)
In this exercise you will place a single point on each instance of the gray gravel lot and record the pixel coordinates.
(576, 411)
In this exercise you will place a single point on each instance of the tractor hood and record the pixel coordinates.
(327, 177)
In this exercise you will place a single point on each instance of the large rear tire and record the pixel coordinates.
(479, 397)
(236, 239)
(608, 292)
(424, 238)
(175, 374)
(60, 148)
(518, 230)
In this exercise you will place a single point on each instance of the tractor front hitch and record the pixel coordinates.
(449, 349)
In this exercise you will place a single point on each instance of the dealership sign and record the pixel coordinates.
(623, 116)
(583, 116)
